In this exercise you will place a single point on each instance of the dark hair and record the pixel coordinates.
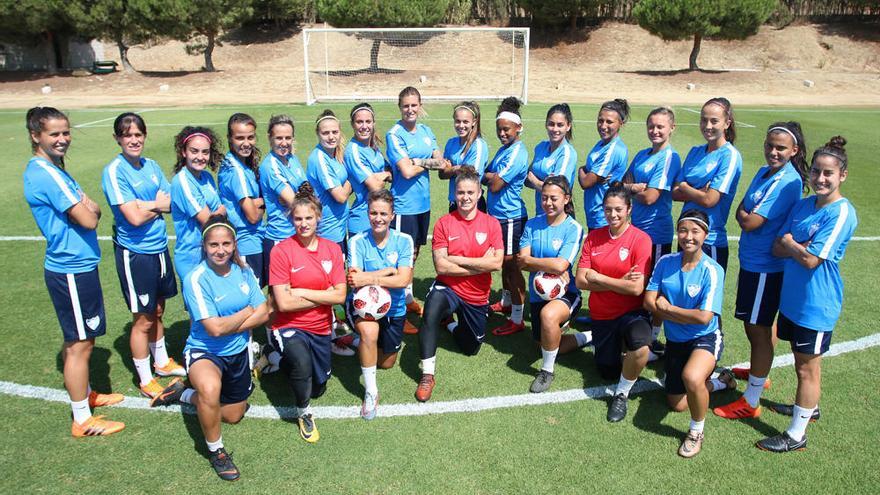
(561, 182)
(252, 162)
(695, 213)
(510, 104)
(617, 190)
(327, 114)
(180, 145)
(474, 108)
(125, 120)
(213, 222)
(381, 195)
(375, 140)
(467, 173)
(35, 119)
(835, 147)
(662, 111)
(282, 119)
(799, 159)
(305, 196)
(408, 91)
(618, 105)
(730, 132)
(565, 110)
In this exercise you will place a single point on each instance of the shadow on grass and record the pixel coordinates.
(672, 72)
(99, 368)
(175, 341)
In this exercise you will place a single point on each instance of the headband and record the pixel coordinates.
(196, 134)
(218, 224)
(696, 220)
(326, 117)
(359, 108)
(785, 130)
(509, 116)
(463, 107)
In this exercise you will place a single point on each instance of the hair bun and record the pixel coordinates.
(510, 104)
(837, 142)
(305, 190)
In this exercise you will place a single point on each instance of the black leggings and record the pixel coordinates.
(298, 365)
(438, 307)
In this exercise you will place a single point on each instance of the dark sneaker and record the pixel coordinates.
(425, 388)
(617, 408)
(781, 443)
(169, 395)
(691, 445)
(788, 410)
(223, 465)
(308, 430)
(541, 382)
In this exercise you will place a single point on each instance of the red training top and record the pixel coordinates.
(469, 238)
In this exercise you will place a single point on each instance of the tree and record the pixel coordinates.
(683, 19)
(126, 22)
(558, 12)
(188, 21)
(37, 22)
(282, 12)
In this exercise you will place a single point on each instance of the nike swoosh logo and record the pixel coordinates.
(805, 417)
(804, 343)
(452, 238)
(135, 184)
(594, 253)
(220, 298)
(294, 270)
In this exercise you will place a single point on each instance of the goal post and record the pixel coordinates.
(454, 63)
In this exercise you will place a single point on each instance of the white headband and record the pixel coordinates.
(359, 108)
(326, 117)
(696, 221)
(509, 116)
(785, 130)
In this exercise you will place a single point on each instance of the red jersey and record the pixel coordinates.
(290, 263)
(613, 258)
(469, 238)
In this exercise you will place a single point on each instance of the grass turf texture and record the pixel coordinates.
(556, 446)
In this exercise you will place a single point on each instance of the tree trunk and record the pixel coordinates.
(51, 54)
(574, 22)
(209, 51)
(695, 52)
(374, 55)
(123, 54)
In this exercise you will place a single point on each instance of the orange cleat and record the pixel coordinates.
(738, 409)
(425, 388)
(498, 308)
(101, 400)
(154, 388)
(170, 369)
(409, 328)
(95, 426)
(414, 308)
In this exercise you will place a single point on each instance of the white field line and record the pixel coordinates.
(418, 409)
(738, 122)
(15, 238)
(90, 124)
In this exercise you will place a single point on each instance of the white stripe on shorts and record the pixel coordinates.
(279, 340)
(74, 302)
(759, 295)
(132, 295)
(163, 270)
(717, 352)
(509, 250)
(397, 222)
(818, 347)
(714, 252)
(574, 303)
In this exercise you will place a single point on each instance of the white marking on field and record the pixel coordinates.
(90, 124)
(739, 123)
(418, 409)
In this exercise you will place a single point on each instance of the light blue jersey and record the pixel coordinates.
(189, 196)
(325, 173)
(122, 183)
(360, 162)
(813, 298)
(511, 163)
(477, 156)
(720, 170)
(773, 198)
(608, 161)
(658, 171)
(209, 295)
(276, 174)
(701, 288)
(366, 256)
(561, 161)
(236, 183)
(552, 241)
(411, 196)
(50, 192)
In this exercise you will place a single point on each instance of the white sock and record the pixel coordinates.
(624, 386)
(370, 379)
(215, 446)
(81, 411)
(717, 385)
(408, 294)
(516, 313)
(306, 411)
(655, 332)
(187, 396)
(754, 389)
(145, 374)
(583, 339)
(505, 298)
(697, 426)
(548, 359)
(160, 354)
(428, 365)
(88, 390)
(800, 418)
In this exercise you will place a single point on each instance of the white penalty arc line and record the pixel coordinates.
(419, 409)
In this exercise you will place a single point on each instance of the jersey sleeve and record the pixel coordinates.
(405, 253)
(355, 164)
(396, 149)
(478, 156)
(337, 273)
(54, 191)
(238, 184)
(355, 257)
(726, 172)
(657, 275)
(585, 261)
(568, 165)
(525, 240)
(712, 296)
(664, 171)
(515, 164)
(325, 172)
(116, 186)
(199, 297)
(164, 185)
(255, 294)
(833, 234)
(571, 243)
(274, 178)
(431, 135)
(188, 196)
(495, 239)
(641, 253)
(779, 199)
(279, 266)
(439, 238)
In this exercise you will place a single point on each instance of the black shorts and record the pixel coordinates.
(318, 345)
(390, 329)
(259, 263)
(236, 383)
(803, 340)
(630, 331)
(145, 279)
(471, 329)
(414, 225)
(678, 354)
(658, 250)
(571, 299)
(343, 246)
(511, 232)
(757, 297)
(79, 303)
(718, 253)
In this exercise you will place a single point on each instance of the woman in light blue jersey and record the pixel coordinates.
(606, 162)
(467, 148)
(555, 155)
(366, 166)
(329, 178)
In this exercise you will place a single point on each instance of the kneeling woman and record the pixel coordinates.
(384, 257)
(686, 292)
(224, 301)
(307, 276)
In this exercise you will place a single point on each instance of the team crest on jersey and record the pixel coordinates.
(757, 195)
(427, 140)
(623, 253)
(556, 243)
(93, 322)
(144, 299)
(693, 290)
(481, 237)
(154, 179)
(327, 265)
(813, 229)
(710, 166)
(392, 258)
(245, 288)
(595, 156)
(649, 165)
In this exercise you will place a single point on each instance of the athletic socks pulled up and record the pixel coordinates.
(754, 389)
(548, 359)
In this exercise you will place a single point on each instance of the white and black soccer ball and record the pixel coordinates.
(548, 286)
(371, 302)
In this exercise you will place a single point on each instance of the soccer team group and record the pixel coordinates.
(266, 221)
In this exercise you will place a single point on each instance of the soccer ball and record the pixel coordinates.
(371, 302)
(548, 286)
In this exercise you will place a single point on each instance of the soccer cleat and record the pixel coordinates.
(409, 328)
(223, 465)
(414, 308)
(425, 388)
(658, 348)
(738, 409)
(95, 426)
(691, 444)
(781, 443)
(101, 400)
(171, 368)
(263, 366)
(541, 382)
(152, 389)
(340, 348)
(498, 308)
(170, 394)
(788, 410)
(370, 406)
(617, 408)
(743, 374)
(508, 328)
(726, 377)
(308, 430)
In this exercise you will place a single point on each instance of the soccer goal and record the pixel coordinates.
(443, 63)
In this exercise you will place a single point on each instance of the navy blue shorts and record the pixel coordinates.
(318, 345)
(343, 245)
(658, 250)
(259, 263)
(145, 279)
(390, 329)
(236, 383)
(803, 340)
(571, 299)
(628, 332)
(471, 329)
(79, 304)
(511, 232)
(414, 225)
(718, 253)
(757, 297)
(678, 354)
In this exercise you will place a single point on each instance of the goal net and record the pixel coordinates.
(443, 63)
